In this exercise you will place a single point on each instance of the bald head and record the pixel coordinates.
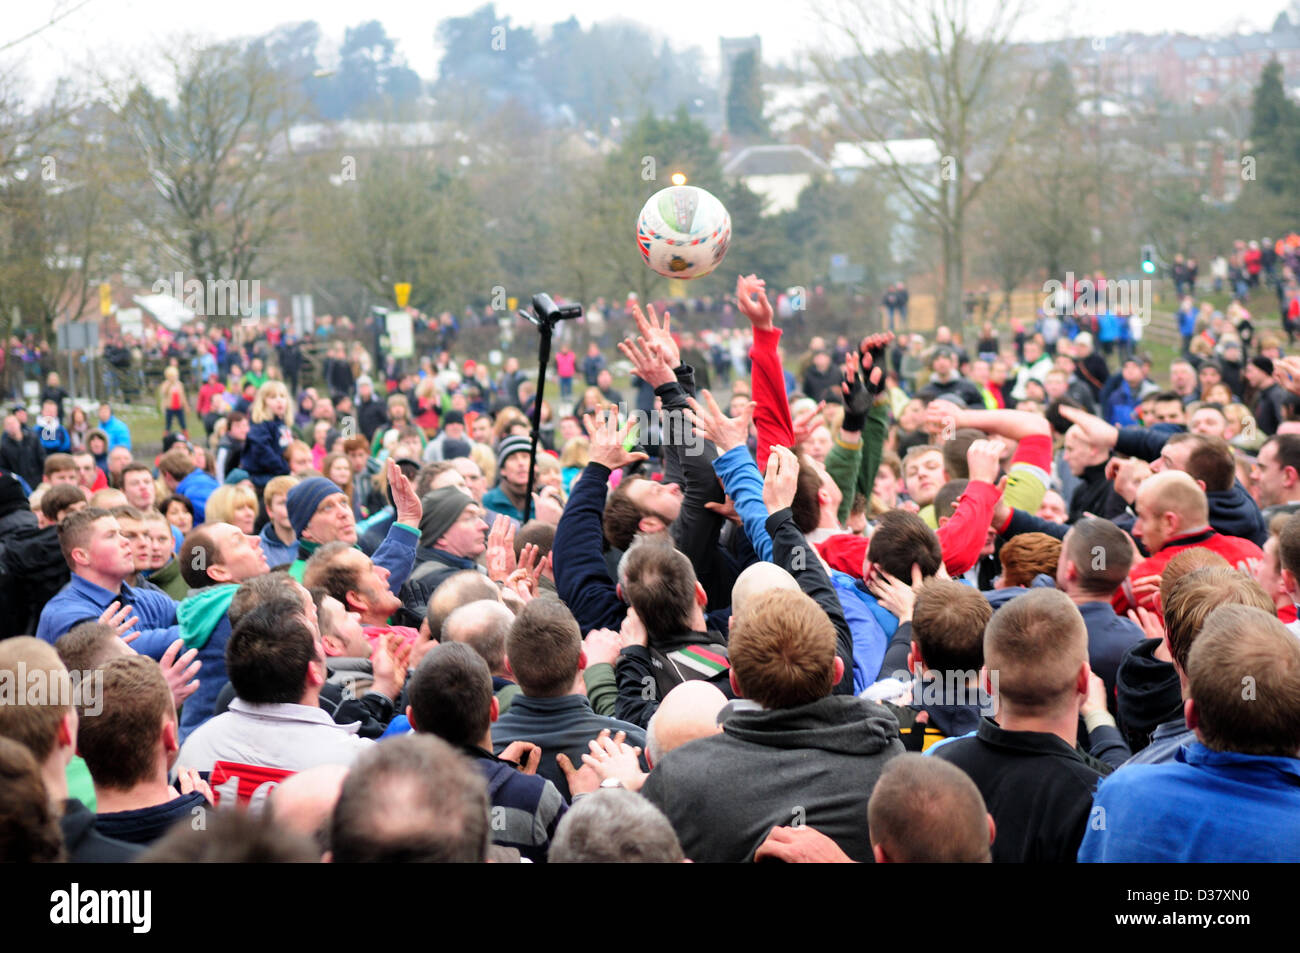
(758, 578)
(688, 712)
(456, 590)
(1169, 504)
(483, 626)
(304, 802)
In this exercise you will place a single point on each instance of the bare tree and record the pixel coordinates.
(932, 69)
(217, 156)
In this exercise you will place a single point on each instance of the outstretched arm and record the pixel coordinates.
(772, 413)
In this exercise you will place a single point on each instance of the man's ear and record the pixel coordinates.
(915, 663)
(993, 830)
(170, 736)
(410, 716)
(943, 521)
(505, 660)
(1082, 679)
(67, 734)
(618, 591)
(878, 851)
(1289, 581)
(356, 602)
(1201, 484)
(651, 524)
(316, 674)
(701, 597)
(332, 644)
(1192, 716)
(735, 683)
(494, 711)
(582, 661)
(1289, 476)
(839, 671)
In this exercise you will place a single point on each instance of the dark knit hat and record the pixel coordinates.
(451, 449)
(453, 417)
(511, 446)
(1265, 364)
(12, 497)
(305, 498)
(441, 510)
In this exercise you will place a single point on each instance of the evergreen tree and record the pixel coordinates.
(745, 98)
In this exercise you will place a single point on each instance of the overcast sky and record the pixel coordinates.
(112, 30)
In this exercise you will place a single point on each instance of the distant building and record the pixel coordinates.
(776, 173)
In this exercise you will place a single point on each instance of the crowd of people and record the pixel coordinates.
(896, 599)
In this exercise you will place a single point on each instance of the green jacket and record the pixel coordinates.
(169, 580)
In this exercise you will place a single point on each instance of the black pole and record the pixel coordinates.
(545, 315)
(543, 358)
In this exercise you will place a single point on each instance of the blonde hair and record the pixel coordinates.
(482, 454)
(576, 453)
(225, 500)
(259, 414)
(278, 486)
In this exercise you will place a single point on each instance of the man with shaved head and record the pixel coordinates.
(483, 625)
(758, 578)
(1173, 515)
(1036, 783)
(304, 802)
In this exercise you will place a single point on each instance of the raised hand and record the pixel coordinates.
(711, 423)
(807, 422)
(942, 417)
(179, 671)
(984, 459)
(501, 549)
(647, 360)
(409, 509)
(1286, 372)
(650, 328)
(121, 618)
(607, 439)
(781, 479)
(751, 299)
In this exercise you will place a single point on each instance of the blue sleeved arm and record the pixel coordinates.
(581, 578)
(743, 483)
(397, 554)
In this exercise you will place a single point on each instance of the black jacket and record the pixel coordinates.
(86, 845)
(32, 573)
(431, 567)
(371, 415)
(1037, 787)
(25, 456)
(1096, 495)
(1234, 513)
(1147, 693)
(646, 674)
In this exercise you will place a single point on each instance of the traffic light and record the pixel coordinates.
(1149, 259)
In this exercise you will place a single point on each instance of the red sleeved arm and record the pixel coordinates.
(772, 413)
(963, 536)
